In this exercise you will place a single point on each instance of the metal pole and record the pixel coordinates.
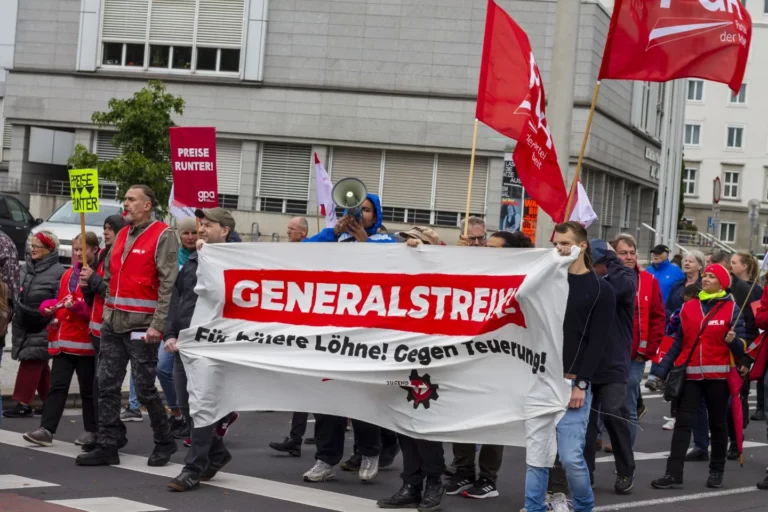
(676, 162)
(662, 193)
(562, 77)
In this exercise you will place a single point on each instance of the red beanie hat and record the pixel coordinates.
(721, 273)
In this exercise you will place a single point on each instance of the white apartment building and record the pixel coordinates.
(383, 91)
(726, 137)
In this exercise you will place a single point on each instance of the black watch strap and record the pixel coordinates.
(582, 384)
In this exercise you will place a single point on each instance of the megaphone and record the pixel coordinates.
(349, 194)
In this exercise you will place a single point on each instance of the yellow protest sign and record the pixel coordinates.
(84, 187)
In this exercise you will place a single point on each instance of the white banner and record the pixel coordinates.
(455, 344)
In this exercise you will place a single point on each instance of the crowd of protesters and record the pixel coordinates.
(698, 320)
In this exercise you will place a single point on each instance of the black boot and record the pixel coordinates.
(352, 463)
(161, 455)
(407, 497)
(99, 457)
(214, 467)
(186, 481)
(89, 447)
(759, 415)
(288, 446)
(733, 451)
(715, 480)
(432, 496)
(20, 411)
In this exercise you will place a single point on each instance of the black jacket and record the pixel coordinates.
(614, 365)
(183, 299)
(675, 297)
(40, 283)
(740, 290)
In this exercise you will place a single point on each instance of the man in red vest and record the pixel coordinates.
(139, 273)
(650, 319)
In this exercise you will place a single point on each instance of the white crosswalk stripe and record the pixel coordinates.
(106, 505)
(20, 482)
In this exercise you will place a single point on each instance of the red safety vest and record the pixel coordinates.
(134, 284)
(712, 357)
(72, 335)
(97, 311)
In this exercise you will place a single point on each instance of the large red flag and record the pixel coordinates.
(660, 40)
(510, 99)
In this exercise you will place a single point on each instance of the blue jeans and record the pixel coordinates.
(164, 375)
(636, 371)
(571, 437)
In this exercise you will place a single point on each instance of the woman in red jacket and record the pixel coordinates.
(69, 344)
(709, 339)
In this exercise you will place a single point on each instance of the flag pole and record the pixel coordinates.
(317, 218)
(82, 239)
(575, 182)
(471, 175)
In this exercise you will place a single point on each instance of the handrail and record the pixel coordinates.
(652, 230)
(726, 248)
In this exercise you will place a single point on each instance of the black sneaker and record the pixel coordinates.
(458, 484)
(758, 416)
(186, 481)
(179, 428)
(624, 484)
(407, 497)
(161, 455)
(309, 440)
(288, 446)
(667, 482)
(432, 496)
(696, 455)
(352, 463)
(38, 411)
(733, 452)
(763, 486)
(214, 467)
(99, 457)
(20, 411)
(388, 455)
(715, 480)
(481, 489)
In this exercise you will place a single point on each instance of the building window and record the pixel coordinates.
(193, 36)
(728, 232)
(689, 181)
(228, 201)
(731, 184)
(695, 90)
(692, 134)
(284, 178)
(735, 138)
(739, 98)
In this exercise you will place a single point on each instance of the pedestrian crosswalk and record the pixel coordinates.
(105, 504)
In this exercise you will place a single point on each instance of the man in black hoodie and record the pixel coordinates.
(609, 383)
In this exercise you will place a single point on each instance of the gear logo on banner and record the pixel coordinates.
(84, 190)
(421, 391)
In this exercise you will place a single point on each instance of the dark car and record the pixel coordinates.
(16, 222)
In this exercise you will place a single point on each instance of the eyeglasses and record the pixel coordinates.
(35, 246)
(477, 238)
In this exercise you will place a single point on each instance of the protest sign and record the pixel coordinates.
(444, 343)
(84, 190)
(193, 161)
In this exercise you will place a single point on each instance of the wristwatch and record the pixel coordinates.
(582, 384)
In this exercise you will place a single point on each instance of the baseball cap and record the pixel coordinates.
(599, 250)
(218, 215)
(659, 249)
(426, 235)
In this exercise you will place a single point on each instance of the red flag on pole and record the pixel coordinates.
(660, 40)
(510, 99)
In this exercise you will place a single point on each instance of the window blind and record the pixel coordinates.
(7, 132)
(125, 20)
(104, 147)
(220, 23)
(408, 179)
(451, 189)
(172, 21)
(285, 171)
(228, 165)
(363, 164)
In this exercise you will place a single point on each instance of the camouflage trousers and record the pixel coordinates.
(115, 352)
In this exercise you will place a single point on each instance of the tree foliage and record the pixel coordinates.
(141, 136)
(83, 159)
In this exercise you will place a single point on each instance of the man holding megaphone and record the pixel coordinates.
(360, 223)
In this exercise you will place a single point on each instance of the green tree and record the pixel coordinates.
(141, 135)
(83, 159)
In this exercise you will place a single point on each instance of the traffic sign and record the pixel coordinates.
(716, 189)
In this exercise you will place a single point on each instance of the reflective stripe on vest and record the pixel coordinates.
(94, 326)
(721, 368)
(73, 345)
(643, 344)
(138, 303)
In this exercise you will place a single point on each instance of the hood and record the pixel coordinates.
(377, 205)
(117, 222)
(234, 237)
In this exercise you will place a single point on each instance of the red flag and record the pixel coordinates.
(660, 40)
(510, 99)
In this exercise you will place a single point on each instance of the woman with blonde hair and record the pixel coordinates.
(29, 333)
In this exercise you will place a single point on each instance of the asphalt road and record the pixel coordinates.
(260, 479)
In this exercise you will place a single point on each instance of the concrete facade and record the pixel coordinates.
(709, 114)
(396, 76)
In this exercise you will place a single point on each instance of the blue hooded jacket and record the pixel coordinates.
(667, 274)
(328, 235)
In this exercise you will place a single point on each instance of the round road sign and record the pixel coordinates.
(716, 188)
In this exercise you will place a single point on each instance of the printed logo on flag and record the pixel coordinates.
(453, 305)
(421, 390)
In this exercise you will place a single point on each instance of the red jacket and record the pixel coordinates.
(712, 357)
(649, 316)
(761, 318)
(71, 337)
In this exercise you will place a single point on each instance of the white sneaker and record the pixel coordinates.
(559, 503)
(369, 468)
(670, 424)
(320, 472)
